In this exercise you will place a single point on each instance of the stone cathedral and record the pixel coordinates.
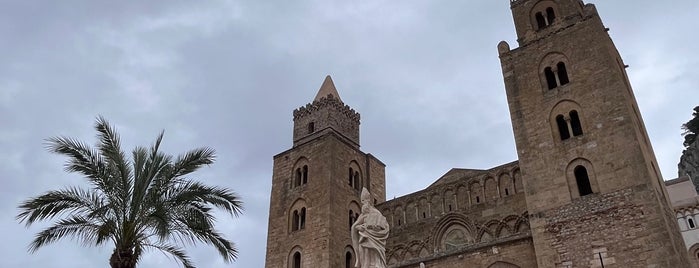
(585, 191)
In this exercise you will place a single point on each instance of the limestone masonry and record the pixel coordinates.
(585, 191)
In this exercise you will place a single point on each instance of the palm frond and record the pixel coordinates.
(175, 251)
(76, 227)
(221, 198)
(193, 160)
(53, 203)
(110, 148)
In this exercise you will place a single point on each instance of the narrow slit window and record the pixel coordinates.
(575, 123)
(507, 192)
(690, 222)
(562, 127)
(478, 199)
(582, 180)
(311, 127)
(297, 180)
(351, 179)
(550, 78)
(357, 182)
(562, 73)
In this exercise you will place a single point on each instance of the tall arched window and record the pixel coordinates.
(540, 21)
(302, 216)
(582, 180)
(575, 123)
(348, 260)
(550, 15)
(550, 78)
(351, 218)
(357, 181)
(562, 127)
(562, 73)
(305, 174)
(295, 221)
(296, 263)
(351, 177)
(298, 178)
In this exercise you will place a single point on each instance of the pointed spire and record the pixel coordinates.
(328, 88)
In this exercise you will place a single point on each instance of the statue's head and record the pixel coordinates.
(366, 196)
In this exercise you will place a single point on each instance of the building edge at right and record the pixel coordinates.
(594, 193)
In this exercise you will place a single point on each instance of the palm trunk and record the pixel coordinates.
(123, 258)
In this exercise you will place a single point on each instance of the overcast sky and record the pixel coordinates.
(424, 75)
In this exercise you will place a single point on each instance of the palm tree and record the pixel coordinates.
(139, 203)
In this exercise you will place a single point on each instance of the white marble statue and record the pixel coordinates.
(369, 234)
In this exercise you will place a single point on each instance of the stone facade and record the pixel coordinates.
(584, 192)
(686, 204)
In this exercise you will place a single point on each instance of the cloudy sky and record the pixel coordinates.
(227, 74)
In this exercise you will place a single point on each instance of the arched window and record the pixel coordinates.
(540, 21)
(582, 180)
(575, 123)
(550, 78)
(562, 127)
(562, 73)
(351, 218)
(348, 260)
(295, 221)
(311, 127)
(302, 220)
(305, 174)
(690, 222)
(296, 263)
(507, 192)
(298, 178)
(478, 199)
(357, 182)
(351, 177)
(550, 15)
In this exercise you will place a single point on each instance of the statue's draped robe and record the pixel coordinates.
(370, 243)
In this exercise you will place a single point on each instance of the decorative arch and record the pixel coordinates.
(517, 178)
(491, 188)
(398, 216)
(462, 195)
(297, 215)
(506, 185)
(423, 208)
(349, 256)
(565, 120)
(554, 71)
(543, 14)
(354, 177)
(299, 173)
(450, 203)
(410, 212)
(353, 211)
(436, 204)
(451, 231)
(476, 192)
(580, 174)
(295, 259)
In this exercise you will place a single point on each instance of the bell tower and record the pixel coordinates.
(594, 193)
(316, 186)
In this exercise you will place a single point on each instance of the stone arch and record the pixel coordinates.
(554, 71)
(694, 255)
(575, 184)
(543, 14)
(414, 248)
(447, 230)
(517, 178)
(353, 210)
(298, 214)
(561, 121)
(491, 188)
(485, 236)
(349, 256)
(398, 215)
(476, 190)
(423, 208)
(450, 203)
(295, 258)
(299, 172)
(521, 225)
(462, 195)
(395, 255)
(436, 204)
(410, 212)
(506, 185)
(354, 178)
(503, 230)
